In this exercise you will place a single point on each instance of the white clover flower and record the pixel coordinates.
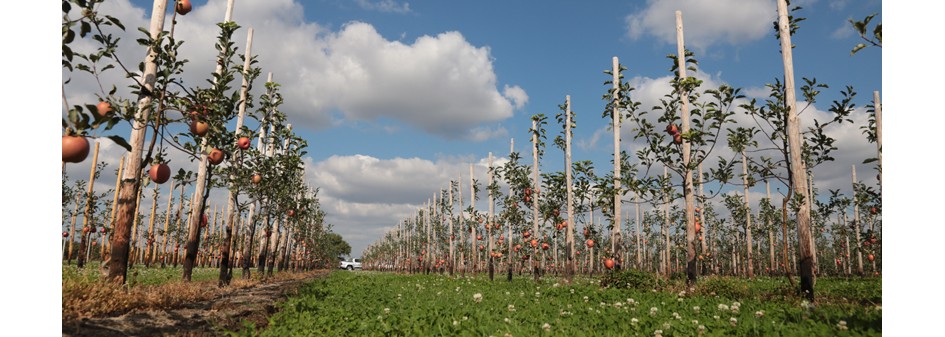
(630, 301)
(546, 327)
(760, 313)
(585, 299)
(465, 318)
(537, 294)
(696, 309)
(386, 310)
(716, 317)
(506, 293)
(457, 289)
(805, 304)
(701, 329)
(555, 285)
(455, 323)
(379, 317)
(681, 293)
(508, 334)
(733, 321)
(736, 304)
(842, 325)
(634, 321)
(695, 322)
(572, 290)
(723, 307)
(511, 307)
(676, 315)
(658, 333)
(618, 304)
(477, 297)
(679, 299)
(734, 309)
(507, 320)
(666, 326)
(653, 311)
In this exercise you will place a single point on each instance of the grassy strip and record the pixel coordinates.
(378, 304)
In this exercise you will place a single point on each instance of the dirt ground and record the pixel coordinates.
(206, 318)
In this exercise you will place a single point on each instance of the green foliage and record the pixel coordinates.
(379, 304)
(862, 27)
(631, 279)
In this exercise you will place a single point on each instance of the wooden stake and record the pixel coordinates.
(193, 241)
(689, 193)
(856, 224)
(80, 261)
(570, 264)
(618, 194)
(797, 166)
(130, 185)
(748, 240)
(535, 195)
(106, 244)
(149, 240)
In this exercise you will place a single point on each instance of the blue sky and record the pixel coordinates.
(442, 84)
(397, 97)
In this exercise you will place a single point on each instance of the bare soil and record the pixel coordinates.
(213, 317)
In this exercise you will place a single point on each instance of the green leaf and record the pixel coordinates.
(857, 48)
(120, 141)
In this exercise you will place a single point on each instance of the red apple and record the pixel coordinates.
(65, 234)
(74, 149)
(199, 127)
(215, 156)
(590, 243)
(104, 108)
(257, 178)
(159, 173)
(672, 129)
(183, 7)
(243, 143)
(609, 263)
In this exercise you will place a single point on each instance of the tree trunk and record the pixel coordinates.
(536, 195)
(688, 191)
(118, 265)
(748, 240)
(570, 263)
(797, 165)
(150, 239)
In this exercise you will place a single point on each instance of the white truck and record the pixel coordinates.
(351, 265)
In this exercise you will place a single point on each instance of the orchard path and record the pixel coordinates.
(205, 318)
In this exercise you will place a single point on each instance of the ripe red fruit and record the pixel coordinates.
(479, 237)
(534, 243)
(545, 246)
(159, 173)
(183, 7)
(291, 212)
(104, 108)
(677, 138)
(590, 243)
(874, 210)
(609, 263)
(74, 149)
(698, 227)
(215, 156)
(481, 248)
(243, 143)
(672, 129)
(257, 178)
(65, 234)
(203, 221)
(199, 128)
(870, 257)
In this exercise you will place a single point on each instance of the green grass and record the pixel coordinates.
(138, 274)
(380, 304)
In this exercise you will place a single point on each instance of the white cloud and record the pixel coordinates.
(705, 22)
(516, 94)
(440, 84)
(389, 6)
